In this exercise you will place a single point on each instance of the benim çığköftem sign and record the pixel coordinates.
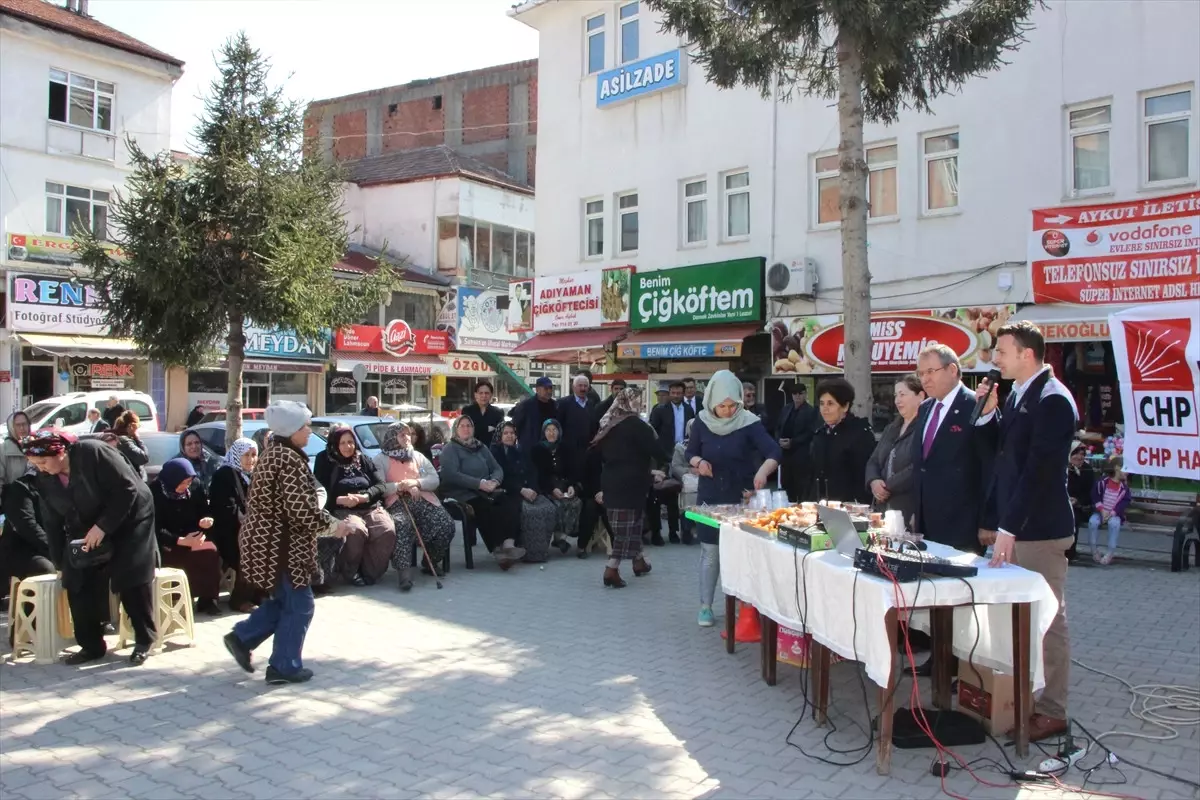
(706, 294)
(648, 76)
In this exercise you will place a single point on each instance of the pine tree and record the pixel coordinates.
(876, 57)
(248, 234)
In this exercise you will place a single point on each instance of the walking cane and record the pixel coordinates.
(421, 542)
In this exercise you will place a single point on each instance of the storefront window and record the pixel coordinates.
(503, 250)
(289, 386)
(447, 251)
(459, 392)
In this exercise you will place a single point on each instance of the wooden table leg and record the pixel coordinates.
(1022, 676)
(818, 661)
(887, 696)
(730, 620)
(768, 649)
(942, 628)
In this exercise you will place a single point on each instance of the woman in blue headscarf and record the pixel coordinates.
(181, 518)
(228, 497)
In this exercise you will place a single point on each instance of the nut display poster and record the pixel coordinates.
(812, 345)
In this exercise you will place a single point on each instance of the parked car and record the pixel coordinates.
(69, 411)
(213, 436)
(368, 431)
(247, 413)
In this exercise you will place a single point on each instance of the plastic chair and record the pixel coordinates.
(172, 610)
(462, 512)
(40, 618)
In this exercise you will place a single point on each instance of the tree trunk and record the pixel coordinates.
(856, 277)
(237, 358)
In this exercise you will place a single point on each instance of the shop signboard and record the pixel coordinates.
(483, 322)
(816, 344)
(581, 300)
(680, 350)
(705, 294)
(1157, 351)
(395, 339)
(382, 366)
(1141, 251)
(267, 343)
(464, 365)
(52, 304)
(648, 76)
(57, 251)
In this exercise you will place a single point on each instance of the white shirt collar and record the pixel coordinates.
(1019, 387)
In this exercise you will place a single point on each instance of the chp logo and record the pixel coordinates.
(1163, 390)
(398, 338)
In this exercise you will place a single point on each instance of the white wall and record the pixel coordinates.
(1013, 156)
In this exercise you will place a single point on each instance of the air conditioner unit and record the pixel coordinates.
(792, 278)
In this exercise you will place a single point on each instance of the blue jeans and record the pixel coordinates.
(286, 616)
(1114, 530)
(710, 572)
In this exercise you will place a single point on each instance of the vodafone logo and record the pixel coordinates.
(1155, 231)
(1056, 243)
(1163, 390)
(1093, 237)
(398, 339)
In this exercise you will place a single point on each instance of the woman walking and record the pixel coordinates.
(557, 480)
(538, 515)
(628, 449)
(733, 454)
(354, 492)
(890, 469)
(471, 475)
(227, 498)
(279, 547)
(90, 492)
(181, 518)
(411, 501)
(842, 446)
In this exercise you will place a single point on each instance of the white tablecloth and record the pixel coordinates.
(772, 576)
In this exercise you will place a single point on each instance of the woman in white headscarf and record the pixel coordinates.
(733, 454)
(228, 494)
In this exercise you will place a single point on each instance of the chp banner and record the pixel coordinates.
(1143, 251)
(1157, 350)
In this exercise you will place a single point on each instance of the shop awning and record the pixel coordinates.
(81, 346)
(567, 343)
(383, 365)
(1063, 322)
(704, 341)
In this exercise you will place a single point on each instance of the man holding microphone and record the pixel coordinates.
(1027, 503)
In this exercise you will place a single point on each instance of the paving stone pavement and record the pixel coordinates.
(541, 683)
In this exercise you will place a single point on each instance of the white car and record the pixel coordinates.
(69, 411)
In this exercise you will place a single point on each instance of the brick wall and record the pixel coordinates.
(485, 114)
(413, 123)
(312, 133)
(350, 135)
(533, 107)
(531, 165)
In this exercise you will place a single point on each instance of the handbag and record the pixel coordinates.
(96, 556)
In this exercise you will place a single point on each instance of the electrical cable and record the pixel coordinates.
(1155, 699)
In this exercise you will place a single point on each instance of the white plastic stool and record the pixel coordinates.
(40, 619)
(172, 610)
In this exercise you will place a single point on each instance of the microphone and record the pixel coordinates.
(992, 379)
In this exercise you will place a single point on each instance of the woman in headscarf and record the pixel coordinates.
(733, 454)
(629, 449)
(354, 492)
(12, 461)
(228, 496)
(471, 476)
(89, 492)
(181, 515)
(24, 550)
(538, 514)
(191, 447)
(556, 465)
(129, 443)
(411, 482)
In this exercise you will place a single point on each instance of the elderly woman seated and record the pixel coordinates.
(538, 513)
(557, 473)
(182, 518)
(471, 476)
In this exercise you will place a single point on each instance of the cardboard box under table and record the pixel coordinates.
(998, 618)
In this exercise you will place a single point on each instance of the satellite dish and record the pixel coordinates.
(359, 372)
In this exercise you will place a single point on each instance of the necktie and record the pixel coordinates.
(931, 430)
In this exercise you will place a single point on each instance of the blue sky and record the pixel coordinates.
(328, 47)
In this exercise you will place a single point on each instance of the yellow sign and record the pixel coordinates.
(56, 250)
(437, 385)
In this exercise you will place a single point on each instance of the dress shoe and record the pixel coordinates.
(138, 657)
(277, 678)
(239, 651)
(1042, 727)
(673, 538)
(656, 539)
(83, 657)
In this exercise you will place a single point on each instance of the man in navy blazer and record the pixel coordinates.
(951, 457)
(1027, 505)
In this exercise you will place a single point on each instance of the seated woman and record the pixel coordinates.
(227, 498)
(557, 480)
(538, 514)
(355, 492)
(129, 443)
(411, 482)
(191, 447)
(24, 549)
(181, 515)
(471, 476)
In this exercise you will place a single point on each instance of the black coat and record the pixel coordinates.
(24, 537)
(111, 415)
(106, 492)
(1079, 488)
(486, 422)
(662, 419)
(579, 423)
(839, 460)
(556, 469)
(799, 425)
(528, 415)
(332, 476)
(629, 451)
(896, 447)
(176, 517)
(951, 482)
(227, 495)
(519, 472)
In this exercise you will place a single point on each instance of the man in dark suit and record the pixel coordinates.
(1028, 513)
(93, 418)
(951, 458)
(669, 420)
(797, 423)
(694, 401)
(576, 413)
(531, 413)
(487, 417)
